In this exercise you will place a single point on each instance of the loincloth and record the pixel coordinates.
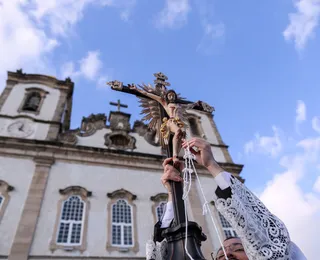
(165, 129)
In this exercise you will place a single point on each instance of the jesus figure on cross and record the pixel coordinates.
(174, 124)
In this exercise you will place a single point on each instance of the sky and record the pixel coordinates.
(256, 62)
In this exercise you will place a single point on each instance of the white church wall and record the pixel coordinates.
(40, 130)
(17, 173)
(100, 180)
(97, 140)
(16, 96)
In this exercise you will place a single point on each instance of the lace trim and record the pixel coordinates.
(156, 251)
(263, 235)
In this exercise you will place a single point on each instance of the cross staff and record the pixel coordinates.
(118, 104)
(175, 235)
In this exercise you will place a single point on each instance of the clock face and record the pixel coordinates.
(21, 128)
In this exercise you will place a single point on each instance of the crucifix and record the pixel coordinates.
(166, 112)
(118, 104)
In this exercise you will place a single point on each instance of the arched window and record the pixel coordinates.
(33, 100)
(72, 220)
(195, 126)
(160, 209)
(5, 188)
(122, 222)
(226, 226)
(1, 200)
(160, 201)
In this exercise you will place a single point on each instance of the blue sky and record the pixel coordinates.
(255, 62)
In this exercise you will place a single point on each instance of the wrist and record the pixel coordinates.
(214, 169)
(169, 196)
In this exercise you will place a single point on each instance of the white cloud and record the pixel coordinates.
(298, 209)
(316, 124)
(174, 15)
(89, 67)
(316, 186)
(270, 145)
(102, 82)
(289, 194)
(213, 36)
(126, 7)
(23, 43)
(301, 111)
(31, 30)
(303, 22)
(213, 30)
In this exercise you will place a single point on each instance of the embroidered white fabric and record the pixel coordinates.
(263, 235)
(156, 251)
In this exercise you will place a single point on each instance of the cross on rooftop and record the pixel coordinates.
(118, 104)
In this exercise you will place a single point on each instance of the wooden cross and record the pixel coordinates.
(118, 104)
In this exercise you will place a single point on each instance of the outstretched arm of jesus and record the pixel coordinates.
(263, 235)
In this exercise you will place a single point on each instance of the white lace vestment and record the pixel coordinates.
(263, 235)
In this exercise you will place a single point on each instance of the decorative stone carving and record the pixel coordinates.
(5, 186)
(120, 140)
(122, 194)
(119, 121)
(202, 106)
(75, 190)
(115, 84)
(92, 123)
(140, 128)
(68, 80)
(149, 135)
(20, 72)
(159, 197)
(69, 137)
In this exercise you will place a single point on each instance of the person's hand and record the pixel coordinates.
(202, 150)
(169, 174)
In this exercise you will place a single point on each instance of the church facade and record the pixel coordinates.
(88, 193)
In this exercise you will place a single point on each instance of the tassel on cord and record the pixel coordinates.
(189, 168)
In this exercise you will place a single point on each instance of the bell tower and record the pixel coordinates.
(35, 106)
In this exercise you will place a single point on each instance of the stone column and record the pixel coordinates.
(55, 128)
(6, 92)
(27, 225)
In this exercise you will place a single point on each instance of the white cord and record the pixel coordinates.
(188, 170)
(186, 189)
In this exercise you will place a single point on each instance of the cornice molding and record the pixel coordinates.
(20, 77)
(25, 148)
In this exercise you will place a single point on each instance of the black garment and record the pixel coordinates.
(157, 233)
